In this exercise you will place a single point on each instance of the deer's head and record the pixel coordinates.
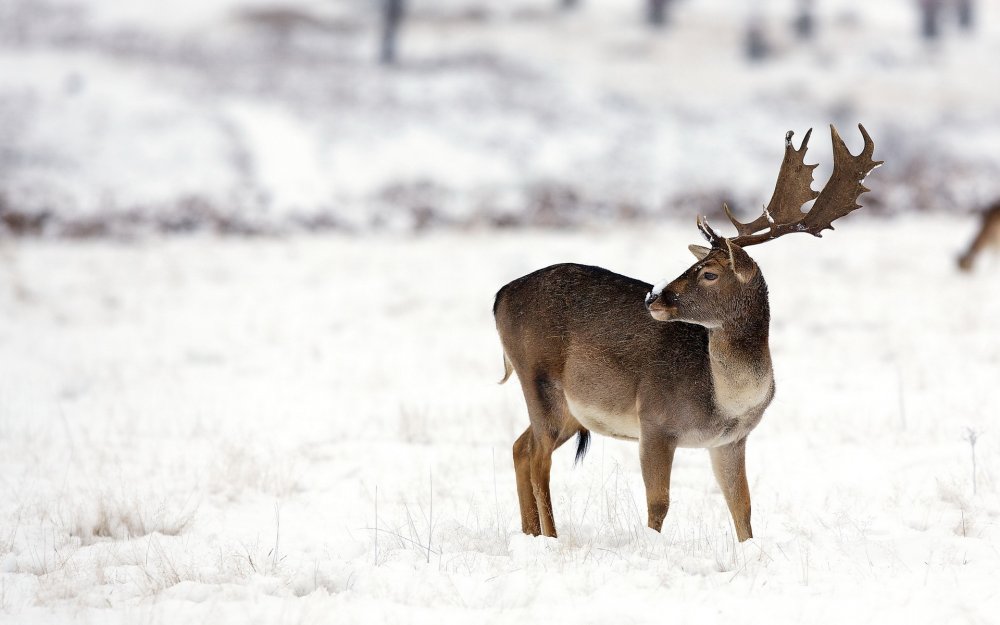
(722, 285)
(725, 283)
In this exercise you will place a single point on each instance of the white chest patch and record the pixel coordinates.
(595, 419)
(740, 393)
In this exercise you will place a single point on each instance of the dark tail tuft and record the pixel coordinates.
(582, 445)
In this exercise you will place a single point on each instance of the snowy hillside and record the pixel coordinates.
(125, 116)
(308, 430)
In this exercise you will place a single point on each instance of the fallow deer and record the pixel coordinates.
(988, 235)
(681, 364)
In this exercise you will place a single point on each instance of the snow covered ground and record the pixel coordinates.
(124, 116)
(308, 430)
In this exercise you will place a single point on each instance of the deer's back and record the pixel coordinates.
(585, 331)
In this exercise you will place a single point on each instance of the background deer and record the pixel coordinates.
(987, 236)
(592, 351)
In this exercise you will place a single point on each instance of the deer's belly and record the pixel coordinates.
(721, 432)
(608, 423)
(624, 425)
(730, 424)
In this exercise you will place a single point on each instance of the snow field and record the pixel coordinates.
(309, 430)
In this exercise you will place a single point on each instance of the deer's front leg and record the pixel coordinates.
(729, 465)
(656, 456)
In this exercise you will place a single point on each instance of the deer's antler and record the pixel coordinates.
(783, 214)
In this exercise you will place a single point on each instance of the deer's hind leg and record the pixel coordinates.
(530, 523)
(551, 426)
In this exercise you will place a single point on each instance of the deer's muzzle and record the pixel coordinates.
(661, 305)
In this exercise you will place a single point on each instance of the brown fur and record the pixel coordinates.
(589, 354)
(988, 236)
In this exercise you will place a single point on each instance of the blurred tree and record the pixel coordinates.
(393, 12)
(755, 44)
(965, 14)
(930, 18)
(804, 23)
(657, 12)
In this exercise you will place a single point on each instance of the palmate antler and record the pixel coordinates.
(783, 214)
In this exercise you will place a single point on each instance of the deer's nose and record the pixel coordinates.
(668, 298)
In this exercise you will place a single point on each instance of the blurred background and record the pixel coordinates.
(270, 116)
(291, 428)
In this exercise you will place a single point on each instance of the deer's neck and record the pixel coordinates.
(741, 364)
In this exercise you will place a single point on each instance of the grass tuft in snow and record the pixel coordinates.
(124, 515)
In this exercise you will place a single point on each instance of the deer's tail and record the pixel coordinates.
(507, 369)
(582, 445)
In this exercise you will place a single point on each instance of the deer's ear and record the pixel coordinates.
(740, 262)
(699, 251)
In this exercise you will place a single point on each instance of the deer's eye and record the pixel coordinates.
(708, 275)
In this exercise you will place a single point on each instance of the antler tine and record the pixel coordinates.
(744, 229)
(713, 237)
(869, 148)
